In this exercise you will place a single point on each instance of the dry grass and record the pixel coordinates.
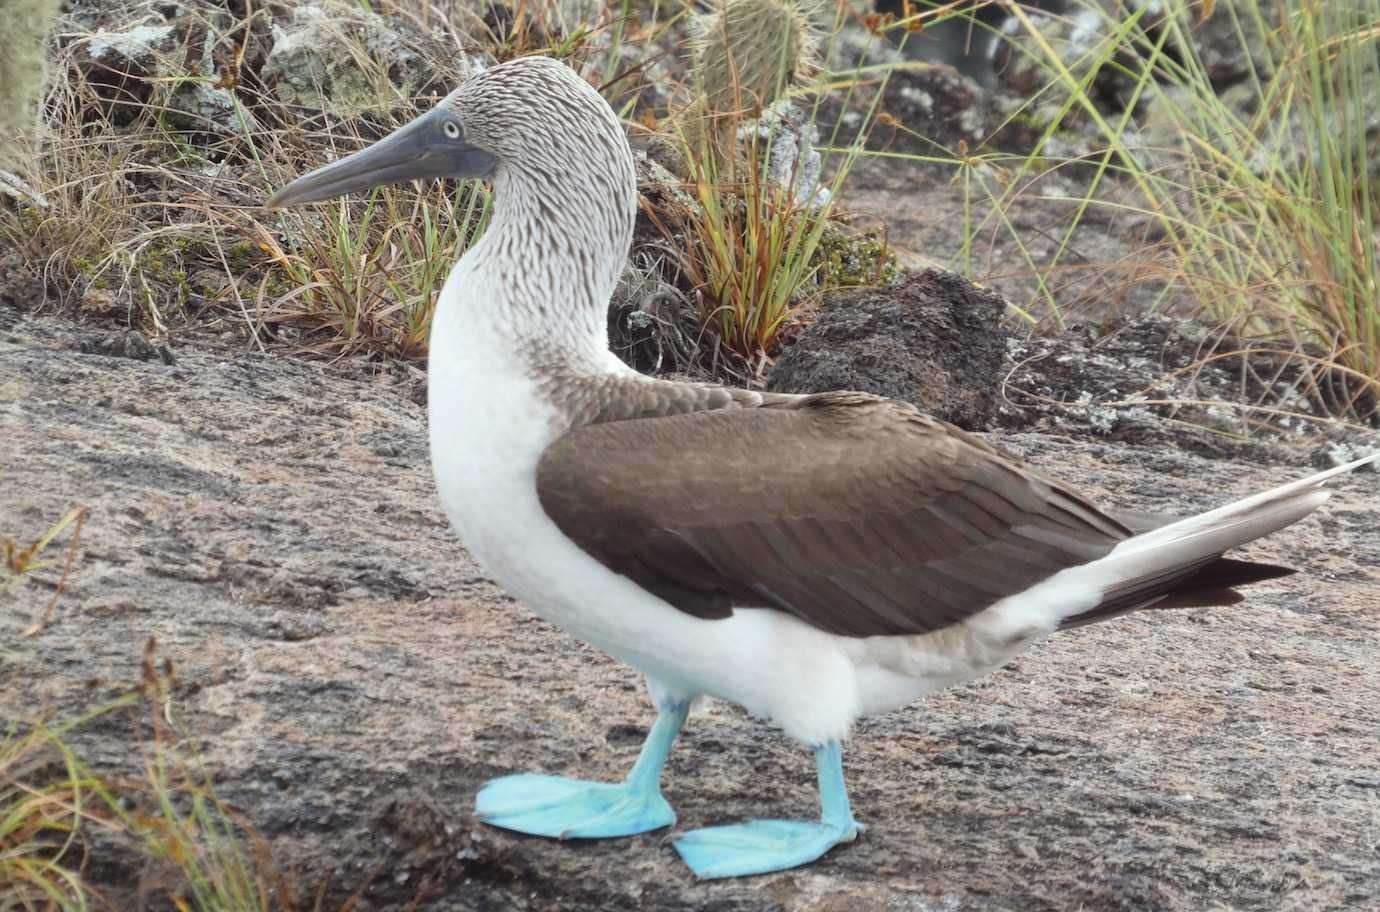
(46, 795)
(21, 560)
(197, 851)
(198, 854)
(171, 238)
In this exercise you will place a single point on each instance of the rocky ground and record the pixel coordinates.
(355, 677)
(351, 676)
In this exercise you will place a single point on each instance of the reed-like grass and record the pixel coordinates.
(751, 230)
(364, 276)
(750, 255)
(44, 795)
(1263, 195)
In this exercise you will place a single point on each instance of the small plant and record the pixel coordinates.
(750, 53)
(174, 816)
(44, 795)
(757, 207)
(20, 561)
(365, 276)
(751, 257)
(207, 859)
(48, 795)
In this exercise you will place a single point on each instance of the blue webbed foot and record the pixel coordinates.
(571, 808)
(760, 846)
(574, 809)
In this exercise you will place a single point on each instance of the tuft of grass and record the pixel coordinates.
(216, 861)
(47, 796)
(1272, 212)
(365, 276)
(40, 817)
(123, 246)
(212, 860)
(751, 256)
(751, 234)
(202, 855)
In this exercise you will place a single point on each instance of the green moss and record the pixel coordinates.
(848, 258)
(242, 254)
(162, 265)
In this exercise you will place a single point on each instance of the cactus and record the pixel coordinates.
(23, 67)
(748, 54)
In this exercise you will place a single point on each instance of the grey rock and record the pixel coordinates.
(341, 57)
(20, 191)
(1179, 384)
(352, 678)
(169, 65)
(788, 137)
(930, 112)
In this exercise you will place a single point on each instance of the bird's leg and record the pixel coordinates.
(760, 846)
(575, 809)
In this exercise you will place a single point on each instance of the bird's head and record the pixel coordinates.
(531, 118)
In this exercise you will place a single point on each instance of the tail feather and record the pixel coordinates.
(1248, 509)
(1181, 564)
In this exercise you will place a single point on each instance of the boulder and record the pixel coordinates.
(168, 65)
(338, 56)
(933, 339)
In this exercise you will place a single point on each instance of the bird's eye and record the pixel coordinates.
(451, 129)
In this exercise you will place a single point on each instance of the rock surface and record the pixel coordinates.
(355, 676)
(340, 53)
(1162, 382)
(933, 339)
(166, 62)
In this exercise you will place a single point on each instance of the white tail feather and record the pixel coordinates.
(1180, 544)
(1266, 512)
(1080, 589)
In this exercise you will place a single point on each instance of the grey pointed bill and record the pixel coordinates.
(431, 146)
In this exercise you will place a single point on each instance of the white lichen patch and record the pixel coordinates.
(918, 97)
(1340, 453)
(791, 158)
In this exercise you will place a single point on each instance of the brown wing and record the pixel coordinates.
(859, 515)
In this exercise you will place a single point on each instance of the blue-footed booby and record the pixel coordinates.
(811, 558)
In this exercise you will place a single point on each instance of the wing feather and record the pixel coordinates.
(859, 515)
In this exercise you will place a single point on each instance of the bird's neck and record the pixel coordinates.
(541, 276)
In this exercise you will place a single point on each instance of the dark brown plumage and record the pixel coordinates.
(859, 515)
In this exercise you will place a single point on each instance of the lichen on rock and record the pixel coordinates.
(166, 66)
(338, 56)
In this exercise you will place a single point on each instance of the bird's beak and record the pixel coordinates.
(418, 150)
